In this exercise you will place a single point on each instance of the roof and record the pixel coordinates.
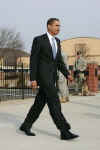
(12, 52)
(10, 55)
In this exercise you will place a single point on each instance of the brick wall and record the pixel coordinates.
(92, 78)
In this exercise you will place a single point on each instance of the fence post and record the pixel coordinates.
(22, 72)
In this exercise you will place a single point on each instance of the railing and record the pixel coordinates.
(15, 82)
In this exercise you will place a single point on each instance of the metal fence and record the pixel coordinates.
(15, 82)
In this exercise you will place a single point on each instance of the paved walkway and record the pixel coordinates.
(82, 112)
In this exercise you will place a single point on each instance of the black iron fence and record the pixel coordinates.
(15, 82)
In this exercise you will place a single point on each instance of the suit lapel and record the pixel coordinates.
(49, 47)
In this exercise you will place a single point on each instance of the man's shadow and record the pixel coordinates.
(16, 121)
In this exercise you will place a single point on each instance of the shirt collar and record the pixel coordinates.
(50, 36)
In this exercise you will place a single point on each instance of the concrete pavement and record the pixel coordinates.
(83, 112)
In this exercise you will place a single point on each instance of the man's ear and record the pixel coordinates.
(49, 27)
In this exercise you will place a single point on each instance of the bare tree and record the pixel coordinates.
(10, 39)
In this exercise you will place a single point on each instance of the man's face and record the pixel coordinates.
(54, 28)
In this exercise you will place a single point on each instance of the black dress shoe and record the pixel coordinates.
(67, 135)
(27, 131)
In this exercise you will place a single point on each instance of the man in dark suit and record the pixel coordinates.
(45, 60)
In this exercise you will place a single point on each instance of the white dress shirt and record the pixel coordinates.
(50, 39)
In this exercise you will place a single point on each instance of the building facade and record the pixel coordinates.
(89, 47)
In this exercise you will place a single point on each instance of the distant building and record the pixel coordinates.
(11, 57)
(89, 46)
(24, 60)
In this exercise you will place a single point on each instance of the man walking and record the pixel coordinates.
(45, 60)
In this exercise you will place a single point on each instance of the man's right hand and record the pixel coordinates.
(34, 84)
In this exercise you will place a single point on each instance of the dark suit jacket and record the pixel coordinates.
(43, 67)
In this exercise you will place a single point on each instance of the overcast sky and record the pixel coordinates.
(79, 18)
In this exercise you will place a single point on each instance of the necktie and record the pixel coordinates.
(53, 48)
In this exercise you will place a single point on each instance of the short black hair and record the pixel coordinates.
(51, 20)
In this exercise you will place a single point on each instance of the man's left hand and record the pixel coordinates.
(70, 78)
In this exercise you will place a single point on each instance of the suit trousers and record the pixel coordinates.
(50, 97)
